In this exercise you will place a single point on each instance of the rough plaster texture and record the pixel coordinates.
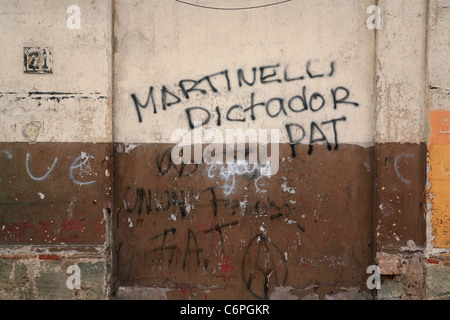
(44, 278)
(401, 87)
(197, 227)
(438, 183)
(403, 276)
(438, 54)
(437, 281)
(56, 130)
(439, 127)
(74, 103)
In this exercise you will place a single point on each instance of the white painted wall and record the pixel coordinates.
(161, 43)
(82, 65)
(401, 72)
(439, 54)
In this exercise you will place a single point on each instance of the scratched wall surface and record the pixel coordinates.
(229, 231)
(37, 210)
(55, 150)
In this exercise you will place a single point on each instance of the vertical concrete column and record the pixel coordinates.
(55, 148)
(401, 148)
(437, 267)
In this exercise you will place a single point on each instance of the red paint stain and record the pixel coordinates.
(100, 228)
(26, 232)
(49, 257)
(72, 224)
(306, 265)
(225, 267)
(433, 261)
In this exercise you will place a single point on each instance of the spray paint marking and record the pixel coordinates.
(397, 159)
(85, 157)
(8, 154)
(40, 178)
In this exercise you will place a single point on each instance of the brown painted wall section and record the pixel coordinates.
(54, 193)
(309, 227)
(400, 203)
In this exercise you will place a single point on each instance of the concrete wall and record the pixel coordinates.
(55, 149)
(87, 177)
(438, 202)
(227, 231)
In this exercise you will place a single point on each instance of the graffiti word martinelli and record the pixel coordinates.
(221, 81)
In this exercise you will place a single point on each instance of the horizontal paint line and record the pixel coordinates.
(28, 204)
(231, 8)
(59, 93)
(65, 251)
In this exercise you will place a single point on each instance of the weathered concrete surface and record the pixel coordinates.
(284, 42)
(45, 277)
(198, 232)
(189, 225)
(437, 270)
(230, 231)
(141, 293)
(55, 202)
(400, 196)
(401, 86)
(54, 193)
(438, 53)
(440, 184)
(402, 93)
(437, 281)
(73, 104)
(439, 126)
(402, 276)
(55, 150)
(391, 290)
